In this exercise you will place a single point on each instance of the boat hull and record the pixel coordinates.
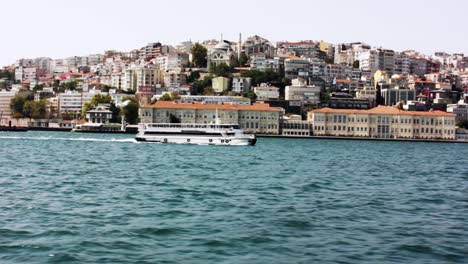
(228, 141)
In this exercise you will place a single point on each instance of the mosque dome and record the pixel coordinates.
(222, 46)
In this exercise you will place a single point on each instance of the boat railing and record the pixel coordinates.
(190, 125)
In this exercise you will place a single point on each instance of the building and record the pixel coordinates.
(220, 84)
(100, 114)
(256, 44)
(386, 60)
(258, 61)
(460, 110)
(72, 101)
(5, 99)
(303, 48)
(392, 96)
(222, 53)
(383, 122)
(295, 127)
(241, 84)
(256, 118)
(296, 68)
(266, 92)
(300, 91)
(214, 99)
(402, 63)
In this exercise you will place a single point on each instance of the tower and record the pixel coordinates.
(239, 47)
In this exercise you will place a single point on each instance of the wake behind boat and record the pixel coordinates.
(199, 134)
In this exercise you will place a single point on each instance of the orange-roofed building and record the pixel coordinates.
(255, 118)
(383, 122)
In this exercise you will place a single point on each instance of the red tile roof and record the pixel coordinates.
(201, 106)
(382, 110)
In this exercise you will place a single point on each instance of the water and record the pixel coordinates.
(93, 198)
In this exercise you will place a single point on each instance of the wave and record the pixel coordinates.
(128, 140)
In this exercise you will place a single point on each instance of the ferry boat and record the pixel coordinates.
(191, 133)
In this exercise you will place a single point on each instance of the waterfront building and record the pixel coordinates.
(255, 118)
(5, 99)
(383, 122)
(294, 126)
(99, 114)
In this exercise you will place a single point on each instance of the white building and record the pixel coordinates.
(258, 61)
(5, 99)
(460, 110)
(266, 92)
(72, 101)
(241, 84)
(369, 61)
(300, 91)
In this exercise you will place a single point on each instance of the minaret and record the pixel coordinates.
(239, 47)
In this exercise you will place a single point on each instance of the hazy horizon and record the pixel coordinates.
(58, 29)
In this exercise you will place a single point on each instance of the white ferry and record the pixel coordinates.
(199, 134)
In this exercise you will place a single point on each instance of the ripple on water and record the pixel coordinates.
(100, 199)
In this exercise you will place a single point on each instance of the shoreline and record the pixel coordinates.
(263, 136)
(364, 138)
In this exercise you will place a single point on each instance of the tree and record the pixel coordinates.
(208, 91)
(243, 60)
(199, 55)
(356, 64)
(130, 111)
(200, 85)
(329, 60)
(221, 70)
(251, 95)
(462, 124)
(23, 105)
(195, 75)
(165, 97)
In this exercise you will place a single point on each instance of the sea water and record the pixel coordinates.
(101, 198)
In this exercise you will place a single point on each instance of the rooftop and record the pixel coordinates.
(382, 110)
(201, 106)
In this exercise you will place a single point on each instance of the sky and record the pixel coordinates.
(60, 29)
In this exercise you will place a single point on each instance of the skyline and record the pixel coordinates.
(59, 30)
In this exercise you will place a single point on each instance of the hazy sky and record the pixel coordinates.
(59, 28)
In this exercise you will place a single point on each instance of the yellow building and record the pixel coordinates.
(380, 76)
(326, 47)
(220, 84)
(383, 122)
(256, 118)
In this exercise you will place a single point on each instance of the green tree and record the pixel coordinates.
(222, 69)
(251, 95)
(200, 85)
(165, 97)
(199, 55)
(462, 124)
(195, 75)
(208, 91)
(38, 87)
(101, 99)
(243, 60)
(18, 102)
(130, 111)
(68, 86)
(356, 64)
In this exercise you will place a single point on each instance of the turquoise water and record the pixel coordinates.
(94, 198)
